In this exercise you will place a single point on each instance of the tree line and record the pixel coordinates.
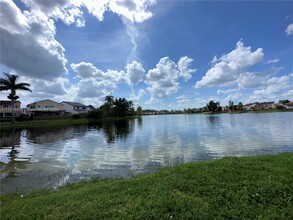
(115, 107)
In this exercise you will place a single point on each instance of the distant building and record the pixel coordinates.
(76, 107)
(225, 108)
(289, 105)
(45, 108)
(6, 109)
(267, 105)
(248, 106)
(279, 105)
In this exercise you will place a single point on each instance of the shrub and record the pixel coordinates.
(95, 114)
(75, 116)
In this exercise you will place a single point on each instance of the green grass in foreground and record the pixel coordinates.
(259, 187)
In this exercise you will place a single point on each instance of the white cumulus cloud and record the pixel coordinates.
(273, 61)
(133, 10)
(64, 10)
(28, 45)
(135, 72)
(289, 29)
(97, 83)
(227, 69)
(136, 97)
(274, 88)
(228, 91)
(163, 81)
(251, 80)
(183, 66)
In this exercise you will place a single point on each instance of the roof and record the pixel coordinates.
(74, 103)
(249, 104)
(267, 103)
(42, 101)
(6, 102)
(289, 104)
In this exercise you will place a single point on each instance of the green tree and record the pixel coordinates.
(284, 101)
(121, 107)
(257, 106)
(239, 107)
(9, 82)
(213, 106)
(109, 100)
(107, 108)
(231, 105)
(139, 110)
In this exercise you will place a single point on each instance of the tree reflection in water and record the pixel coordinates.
(116, 130)
(139, 121)
(21, 149)
(214, 121)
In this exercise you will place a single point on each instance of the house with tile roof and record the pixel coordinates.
(76, 108)
(6, 109)
(289, 105)
(45, 109)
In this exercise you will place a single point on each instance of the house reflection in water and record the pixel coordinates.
(10, 143)
(45, 135)
(10, 160)
(50, 156)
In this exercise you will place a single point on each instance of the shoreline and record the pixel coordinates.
(70, 121)
(57, 122)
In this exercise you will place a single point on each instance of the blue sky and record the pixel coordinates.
(160, 54)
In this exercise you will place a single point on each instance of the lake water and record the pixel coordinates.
(50, 157)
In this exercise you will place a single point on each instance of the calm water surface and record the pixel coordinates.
(50, 157)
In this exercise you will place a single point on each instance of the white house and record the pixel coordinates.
(289, 105)
(76, 107)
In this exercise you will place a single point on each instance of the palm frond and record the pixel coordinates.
(9, 82)
(4, 81)
(23, 85)
(4, 88)
(23, 88)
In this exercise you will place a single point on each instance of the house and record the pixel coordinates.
(45, 109)
(6, 109)
(225, 108)
(76, 107)
(248, 106)
(279, 106)
(267, 105)
(289, 105)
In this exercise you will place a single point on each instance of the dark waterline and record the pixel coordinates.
(50, 157)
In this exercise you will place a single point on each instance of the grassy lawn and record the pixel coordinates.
(259, 187)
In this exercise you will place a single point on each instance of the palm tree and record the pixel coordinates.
(9, 82)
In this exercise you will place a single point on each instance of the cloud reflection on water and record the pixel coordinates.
(40, 157)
